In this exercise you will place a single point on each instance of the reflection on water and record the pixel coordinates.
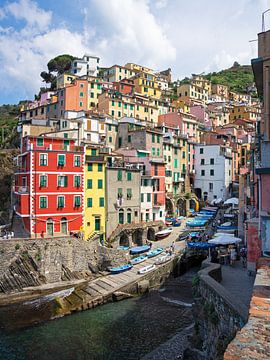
(123, 330)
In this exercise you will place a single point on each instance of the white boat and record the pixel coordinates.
(146, 269)
(228, 223)
(163, 233)
(162, 259)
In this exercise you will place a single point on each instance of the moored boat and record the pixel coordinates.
(163, 233)
(139, 249)
(138, 260)
(119, 269)
(146, 269)
(177, 224)
(123, 248)
(162, 259)
(154, 252)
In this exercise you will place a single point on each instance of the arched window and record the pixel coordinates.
(50, 226)
(64, 226)
(129, 216)
(121, 216)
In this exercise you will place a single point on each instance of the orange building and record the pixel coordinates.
(73, 97)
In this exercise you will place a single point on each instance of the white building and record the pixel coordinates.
(88, 65)
(213, 171)
(146, 198)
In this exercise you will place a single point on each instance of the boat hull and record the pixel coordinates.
(139, 249)
(118, 270)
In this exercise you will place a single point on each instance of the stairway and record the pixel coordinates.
(18, 228)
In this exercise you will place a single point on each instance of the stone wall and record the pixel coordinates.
(217, 315)
(52, 260)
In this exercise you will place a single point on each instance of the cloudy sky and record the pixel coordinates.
(188, 36)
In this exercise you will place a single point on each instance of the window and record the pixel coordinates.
(129, 176)
(40, 141)
(112, 112)
(175, 163)
(77, 160)
(212, 172)
(60, 201)
(142, 197)
(61, 160)
(100, 184)
(156, 170)
(153, 138)
(43, 181)
(148, 197)
(201, 150)
(93, 152)
(100, 167)
(155, 199)
(81, 103)
(202, 162)
(129, 138)
(129, 194)
(119, 103)
(43, 202)
(129, 216)
(90, 167)
(175, 151)
(183, 155)
(212, 161)
(101, 202)
(89, 202)
(62, 181)
(121, 216)
(89, 183)
(43, 159)
(81, 85)
(158, 152)
(81, 94)
(119, 113)
(211, 186)
(202, 172)
(119, 175)
(77, 180)
(92, 95)
(112, 102)
(110, 128)
(153, 151)
(110, 139)
(97, 224)
(77, 200)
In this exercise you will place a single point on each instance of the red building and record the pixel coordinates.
(125, 86)
(158, 183)
(49, 186)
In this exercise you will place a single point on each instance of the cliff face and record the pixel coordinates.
(25, 263)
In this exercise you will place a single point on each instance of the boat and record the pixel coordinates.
(139, 249)
(119, 269)
(197, 223)
(224, 228)
(163, 233)
(138, 260)
(162, 259)
(195, 234)
(228, 223)
(154, 252)
(177, 224)
(168, 223)
(146, 269)
(123, 248)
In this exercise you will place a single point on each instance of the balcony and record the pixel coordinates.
(21, 189)
(158, 204)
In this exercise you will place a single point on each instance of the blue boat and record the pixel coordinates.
(138, 259)
(119, 269)
(154, 252)
(177, 223)
(200, 245)
(194, 234)
(197, 222)
(231, 228)
(139, 249)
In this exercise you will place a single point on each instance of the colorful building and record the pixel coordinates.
(94, 193)
(49, 186)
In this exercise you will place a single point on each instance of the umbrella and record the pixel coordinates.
(224, 240)
(216, 201)
(233, 201)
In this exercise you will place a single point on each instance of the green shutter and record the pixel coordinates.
(77, 201)
(100, 167)
(93, 152)
(60, 203)
(89, 202)
(61, 160)
(89, 167)
(119, 175)
(142, 197)
(100, 184)
(101, 202)
(148, 197)
(89, 184)
(129, 194)
(129, 176)
(40, 141)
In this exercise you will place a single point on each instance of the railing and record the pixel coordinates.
(21, 189)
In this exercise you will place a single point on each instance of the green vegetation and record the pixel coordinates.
(8, 122)
(58, 65)
(238, 77)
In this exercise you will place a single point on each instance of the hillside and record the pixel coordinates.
(8, 121)
(239, 78)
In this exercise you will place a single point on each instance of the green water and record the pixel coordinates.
(124, 330)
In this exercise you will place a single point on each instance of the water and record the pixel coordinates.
(124, 330)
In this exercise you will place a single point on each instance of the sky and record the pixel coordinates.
(188, 36)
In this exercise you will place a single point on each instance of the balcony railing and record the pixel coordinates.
(21, 189)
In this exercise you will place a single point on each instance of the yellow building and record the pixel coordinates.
(147, 85)
(117, 73)
(64, 79)
(191, 91)
(244, 112)
(182, 105)
(138, 106)
(94, 191)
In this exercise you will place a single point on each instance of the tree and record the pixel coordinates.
(47, 77)
(60, 63)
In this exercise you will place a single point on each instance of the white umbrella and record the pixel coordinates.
(216, 201)
(233, 201)
(225, 240)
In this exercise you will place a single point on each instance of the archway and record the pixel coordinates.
(124, 240)
(198, 192)
(137, 237)
(169, 206)
(181, 206)
(151, 233)
(50, 227)
(64, 226)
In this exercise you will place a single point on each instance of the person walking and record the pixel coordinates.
(173, 246)
(232, 256)
(243, 255)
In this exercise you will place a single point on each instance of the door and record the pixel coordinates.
(50, 227)
(64, 229)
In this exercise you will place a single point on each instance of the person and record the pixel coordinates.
(214, 256)
(42, 234)
(232, 255)
(243, 255)
(173, 246)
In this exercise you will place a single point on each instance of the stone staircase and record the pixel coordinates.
(18, 227)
